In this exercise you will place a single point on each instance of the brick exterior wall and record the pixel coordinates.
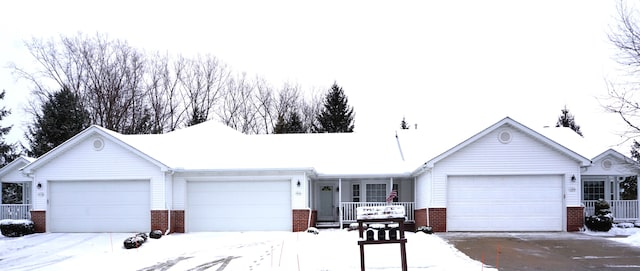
(575, 218)
(177, 221)
(39, 219)
(420, 217)
(438, 219)
(159, 220)
(301, 219)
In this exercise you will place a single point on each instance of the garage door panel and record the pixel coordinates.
(504, 203)
(99, 206)
(239, 205)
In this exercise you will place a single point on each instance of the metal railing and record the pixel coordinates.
(15, 211)
(622, 210)
(349, 209)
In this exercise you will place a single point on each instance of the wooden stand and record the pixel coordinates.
(402, 240)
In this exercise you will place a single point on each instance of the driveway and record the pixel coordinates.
(546, 251)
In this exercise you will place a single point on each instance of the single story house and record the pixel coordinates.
(209, 177)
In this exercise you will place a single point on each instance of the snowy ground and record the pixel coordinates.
(330, 250)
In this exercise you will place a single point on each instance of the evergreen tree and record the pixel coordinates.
(404, 125)
(294, 123)
(630, 184)
(567, 120)
(281, 125)
(8, 152)
(336, 116)
(62, 116)
(291, 125)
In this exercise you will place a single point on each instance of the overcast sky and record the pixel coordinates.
(440, 64)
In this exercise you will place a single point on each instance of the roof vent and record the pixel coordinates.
(504, 136)
(607, 164)
(98, 144)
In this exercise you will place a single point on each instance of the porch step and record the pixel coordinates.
(327, 225)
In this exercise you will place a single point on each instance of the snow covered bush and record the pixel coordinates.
(425, 229)
(16, 228)
(155, 234)
(135, 241)
(602, 220)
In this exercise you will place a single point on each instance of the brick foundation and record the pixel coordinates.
(438, 219)
(39, 219)
(575, 218)
(301, 219)
(159, 219)
(420, 217)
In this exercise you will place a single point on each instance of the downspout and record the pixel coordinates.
(169, 204)
(340, 201)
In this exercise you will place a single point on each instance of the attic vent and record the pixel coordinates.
(504, 136)
(98, 144)
(606, 164)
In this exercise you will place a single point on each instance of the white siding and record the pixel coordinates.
(423, 190)
(14, 176)
(113, 162)
(618, 168)
(523, 155)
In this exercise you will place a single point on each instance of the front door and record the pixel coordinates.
(326, 212)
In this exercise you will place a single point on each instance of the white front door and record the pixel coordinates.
(326, 211)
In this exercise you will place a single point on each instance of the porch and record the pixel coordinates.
(15, 211)
(622, 210)
(336, 200)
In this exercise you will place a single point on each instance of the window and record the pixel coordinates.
(356, 193)
(376, 192)
(395, 188)
(593, 190)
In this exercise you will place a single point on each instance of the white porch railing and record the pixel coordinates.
(348, 209)
(622, 210)
(15, 211)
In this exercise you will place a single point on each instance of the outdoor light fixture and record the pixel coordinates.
(298, 184)
(573, 178)
(39, 185)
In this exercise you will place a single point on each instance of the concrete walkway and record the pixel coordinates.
(546, 251)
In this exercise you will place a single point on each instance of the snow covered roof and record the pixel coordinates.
(213, 146)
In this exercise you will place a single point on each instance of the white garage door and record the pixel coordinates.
(239, 206)
(99, 206)
(504, 203)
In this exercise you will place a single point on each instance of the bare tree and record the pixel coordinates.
(264, 103)
(203, 81)
(621, 96)
(237, 109)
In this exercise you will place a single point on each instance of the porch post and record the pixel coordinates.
(340, 201)
(638, 199)
(390, 185)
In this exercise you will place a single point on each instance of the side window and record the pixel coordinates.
(356, 193)
(395, 188)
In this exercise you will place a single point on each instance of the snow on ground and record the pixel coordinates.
(330, 250)
(623, 232)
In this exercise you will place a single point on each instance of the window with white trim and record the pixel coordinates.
(355, 192)
(376, 192)
(593, 190)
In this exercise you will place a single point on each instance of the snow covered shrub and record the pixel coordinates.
(313, 230)
(16, 228)
(425, 229)
(155, 234)
(135, 241)
(602, 220)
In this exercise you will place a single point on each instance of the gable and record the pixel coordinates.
(612, 163)
(511, 125)
(11, 172)
(97, 156)
(507, 150)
